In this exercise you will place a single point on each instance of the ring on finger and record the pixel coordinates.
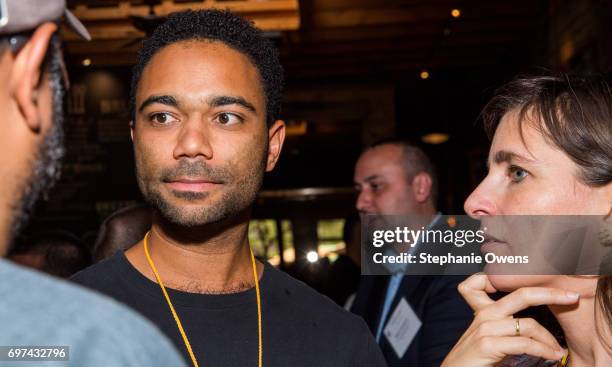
(517, 327)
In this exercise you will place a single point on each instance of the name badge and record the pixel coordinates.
(402, 327)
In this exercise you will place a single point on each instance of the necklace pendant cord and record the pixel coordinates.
(178, 320)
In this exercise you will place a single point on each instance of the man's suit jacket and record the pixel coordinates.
(435, 300)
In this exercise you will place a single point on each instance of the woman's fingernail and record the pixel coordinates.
(572, 295)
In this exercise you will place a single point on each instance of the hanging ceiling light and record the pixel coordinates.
(435, 138)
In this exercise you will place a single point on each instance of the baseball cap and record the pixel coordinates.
(22, 15)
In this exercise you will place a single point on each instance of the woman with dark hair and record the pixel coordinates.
(551, 154)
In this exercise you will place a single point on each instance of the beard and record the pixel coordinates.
(240, 190)
(46, 163)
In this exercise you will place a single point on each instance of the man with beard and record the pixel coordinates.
(206, 94)
(42, 317)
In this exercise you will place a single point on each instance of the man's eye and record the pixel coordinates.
(162, 118)
(228, 119)
(517, 174)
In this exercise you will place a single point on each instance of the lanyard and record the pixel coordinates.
(178, 320)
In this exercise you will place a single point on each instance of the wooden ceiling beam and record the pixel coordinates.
(369, 17)
(124, 31)
(125, 9)
(369, 4)
(113, 22)
(357, 17)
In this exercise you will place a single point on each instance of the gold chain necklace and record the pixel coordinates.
(178, 320)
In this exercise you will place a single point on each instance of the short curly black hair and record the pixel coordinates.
(218, 25)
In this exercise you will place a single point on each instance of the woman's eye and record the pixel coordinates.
(517, 174)
(162, 118)
(227, 119)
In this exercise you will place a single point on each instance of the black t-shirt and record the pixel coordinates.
(300, 327)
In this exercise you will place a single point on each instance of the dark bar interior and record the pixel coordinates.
(356, 72)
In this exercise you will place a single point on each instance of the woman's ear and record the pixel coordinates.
(26, 74)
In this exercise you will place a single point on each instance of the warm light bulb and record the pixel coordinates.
(312, 256)
(86, 62)
(435, 138)
(424, 74)
(456, 13)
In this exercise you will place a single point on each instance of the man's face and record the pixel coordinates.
(381, 181)
(200, 137)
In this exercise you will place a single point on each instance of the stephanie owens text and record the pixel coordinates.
(423, 258)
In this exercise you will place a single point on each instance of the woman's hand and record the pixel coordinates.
(495, 334)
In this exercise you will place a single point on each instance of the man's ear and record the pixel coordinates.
(276, 138)
(421, 187)
(26, 73)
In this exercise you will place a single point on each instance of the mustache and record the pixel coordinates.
(196, 170)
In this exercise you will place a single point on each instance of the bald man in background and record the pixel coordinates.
(396, 178)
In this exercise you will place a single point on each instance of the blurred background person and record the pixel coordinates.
(121, 230)
(57, 253)
(551, 153)
(396, 178)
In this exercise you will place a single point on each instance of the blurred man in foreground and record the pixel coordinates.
(36, 311)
